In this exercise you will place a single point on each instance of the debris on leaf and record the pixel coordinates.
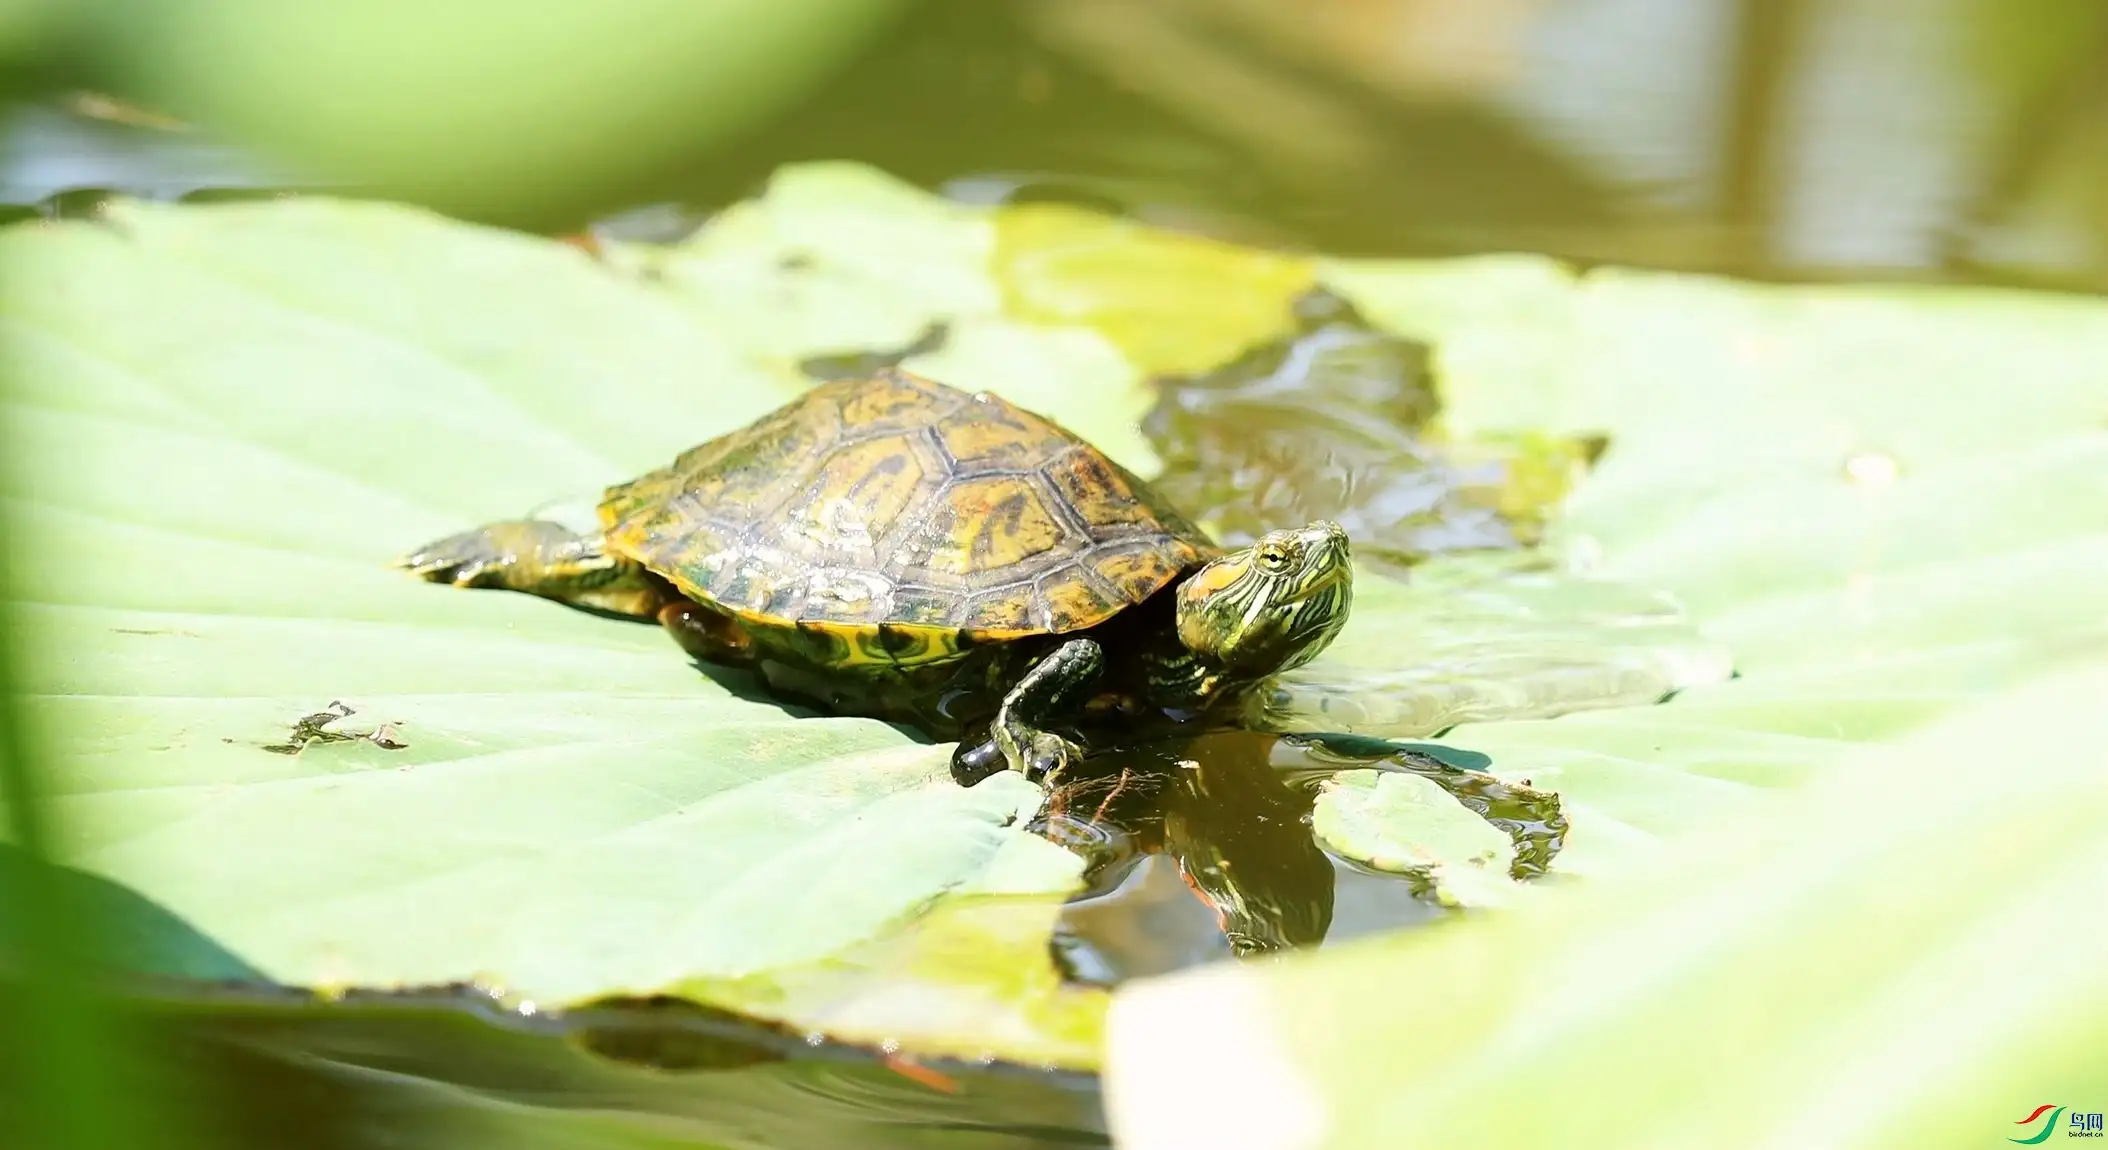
(922, 1075)
(110, 109)
(316, 728)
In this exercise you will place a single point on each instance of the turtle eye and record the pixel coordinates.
(1272, 558)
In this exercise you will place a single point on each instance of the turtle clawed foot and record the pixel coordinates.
(522, 554)
(466, 560)
(1048, 757)
(1044, 758)
(976, 759)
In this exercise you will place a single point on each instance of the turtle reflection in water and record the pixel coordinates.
(897, 548)
(1237, 830)
(1231, 811)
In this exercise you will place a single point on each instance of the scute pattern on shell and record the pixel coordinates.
(897, 499)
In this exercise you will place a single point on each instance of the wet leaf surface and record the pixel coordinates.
(1494, 636)
(1337, 419)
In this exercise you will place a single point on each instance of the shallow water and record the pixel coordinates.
(448, 1069)
(1202, 849)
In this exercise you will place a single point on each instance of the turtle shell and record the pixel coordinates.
(898, 500)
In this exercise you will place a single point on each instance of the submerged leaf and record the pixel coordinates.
(1404, 823)
(1340, 420)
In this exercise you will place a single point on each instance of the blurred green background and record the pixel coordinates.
(1853, 138)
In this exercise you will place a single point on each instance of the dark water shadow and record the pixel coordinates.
(448, 1067)
(745, 685)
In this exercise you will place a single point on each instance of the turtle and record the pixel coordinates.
(897, 548)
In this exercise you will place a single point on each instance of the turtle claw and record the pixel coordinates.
(466, 560)
(1048, 758)
(520, 554)
(539, 557)
(976, 759)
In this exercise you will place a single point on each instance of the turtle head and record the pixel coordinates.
(1272, 606)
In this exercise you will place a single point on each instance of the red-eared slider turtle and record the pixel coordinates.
(896, 548)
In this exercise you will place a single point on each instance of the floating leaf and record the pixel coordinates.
(1169, 302)
(1406, 824)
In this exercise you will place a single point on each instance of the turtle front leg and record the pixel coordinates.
(1055, 685)
(540, 557)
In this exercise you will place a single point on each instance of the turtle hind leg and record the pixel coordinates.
(541, 557)
(707, 633)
